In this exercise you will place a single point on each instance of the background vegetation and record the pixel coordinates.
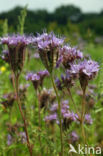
(84, 30)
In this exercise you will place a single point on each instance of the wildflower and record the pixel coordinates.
(51, 118)
(67, 116)
(73, 137)
(34, 78)
(23, 137)
(48, 48)
(86, 71)
(68, 55)
(16, 50)
(66, 80)
(36, 55)
(8, 100)
(37, 78)
(88, 119)
(2, 69)
(9, 140)
(5, 56)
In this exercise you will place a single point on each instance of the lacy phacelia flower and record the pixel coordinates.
(9, 139)
(16, 51)
(23, 137)
(68, 55)
(74, 137)
(48, 47)
(5, 56)
(66, 80)
(37, 78)
(88, 120)
(51, 118)
(67, 116)
(8, 100)
(86, 71)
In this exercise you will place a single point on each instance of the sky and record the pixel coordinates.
(50, 5)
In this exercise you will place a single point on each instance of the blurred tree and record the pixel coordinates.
(65, 13)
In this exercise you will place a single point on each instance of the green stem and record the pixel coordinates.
(73, 102)
(59, 113)
(39, 116)
(82, 117)
(22, 115)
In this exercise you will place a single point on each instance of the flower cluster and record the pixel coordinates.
(5, 56)
(16, 50)
(37, 78)
(67, 116)
(66, 80)
(68, 55)
(86, 70)
(88, 120)
(9, 139)
(8, 100)
(48, 47)
(73, 137)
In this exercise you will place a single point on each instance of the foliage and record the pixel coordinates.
(11, 122)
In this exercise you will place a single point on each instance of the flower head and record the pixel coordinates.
(73, 137)
(9, 139)
(16, 50)
(37, 78)
(88, 119)
(66, 80)
(48, 47)
(2, 69)
(86, 71)
(5, 56)
(67, 116)
(68, 55)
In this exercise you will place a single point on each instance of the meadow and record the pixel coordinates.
(33, 128)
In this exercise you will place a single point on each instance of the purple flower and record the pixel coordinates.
(67, 116)
(68, 55)
(16, 51)
(34, 78)
(66, 80)
(86, 70)
(5, 56)
(45, 41)
(54, 107)
(36, 55)
(58, 83)
(9, 140)
(37, 78)
(48, 47)
(43, 74)
(23, 137)
(74, 137)
(16, 40)
(51, 118)
(88, 120)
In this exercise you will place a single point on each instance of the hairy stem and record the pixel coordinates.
(39, 116)
(82, 117)
(16, 80)
(59, 113)
(73, 102)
